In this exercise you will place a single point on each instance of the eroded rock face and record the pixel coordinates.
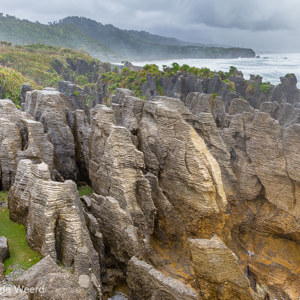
(218, 271)
(257, 154)
(147, 283)
(48, 281)
(21, 137)
(116, 170)
(167, 175)
(55, 111)
(264, 160)
(52, 214)
(180, 196)
(25, 88)
(175, 153)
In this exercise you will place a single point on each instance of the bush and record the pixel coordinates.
(12, 82)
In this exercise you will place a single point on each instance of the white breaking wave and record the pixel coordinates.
(270, 66)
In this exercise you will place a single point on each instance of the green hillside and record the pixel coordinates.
(23, 32)
(42, 65)
(107, 42)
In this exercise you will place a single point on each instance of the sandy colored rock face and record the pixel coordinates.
(116, 170)
(188, 174)
(182, 194)
(147, 283)
(218, 270)
(264, 208)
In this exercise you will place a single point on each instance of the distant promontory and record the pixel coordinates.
(107, 42)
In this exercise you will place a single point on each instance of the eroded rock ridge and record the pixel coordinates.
(194, 198)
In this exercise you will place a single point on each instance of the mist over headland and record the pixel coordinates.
(260, 25)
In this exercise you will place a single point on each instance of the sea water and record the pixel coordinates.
(270, 66)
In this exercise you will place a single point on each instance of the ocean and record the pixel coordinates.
(270, 66)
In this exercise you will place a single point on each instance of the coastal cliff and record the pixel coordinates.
(195, 194)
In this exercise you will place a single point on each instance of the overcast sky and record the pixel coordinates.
(258, 24)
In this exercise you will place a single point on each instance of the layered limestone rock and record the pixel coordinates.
(21, 137)
(116, 170)
(52, 214)
(264, 208)
(117, 227)
(259, 165)
(181, 195)
(81, 132)
(56, 113)
(189, 176)
(207, 116)
(218, 271)
(167, 175)
(145, 282)
(46, 281)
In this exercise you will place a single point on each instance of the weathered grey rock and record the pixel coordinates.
(75, 94)
(2, 270)
(238, 106)
(4, 249)
(53, 216)
(21, 137)
(55, 111)
(169, 226)
(287, 91)
(87, 201)
(81, 132)
(269, 107)
(117, 227)
(145, 282)
(262, 161)
(48, 281)
(181, 84)
(25, 88)
(10, 139)
(116, 170)
(167, 152)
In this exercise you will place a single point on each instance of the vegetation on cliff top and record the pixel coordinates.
(11, 82)
(20, 253)
(41, 66)
(134, 80)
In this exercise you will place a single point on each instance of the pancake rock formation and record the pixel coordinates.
(193, 198)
